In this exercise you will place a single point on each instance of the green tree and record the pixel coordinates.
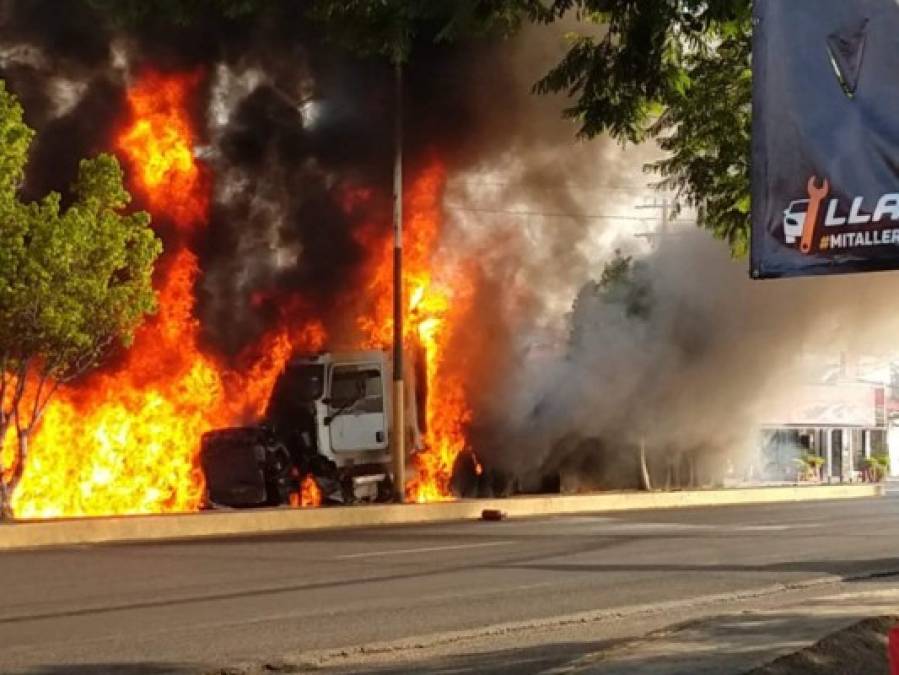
(677, 71)
(623, 283)
(74, 282)
(367, 27)
(389, 27)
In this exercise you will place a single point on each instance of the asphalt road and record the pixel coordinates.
(173, 607)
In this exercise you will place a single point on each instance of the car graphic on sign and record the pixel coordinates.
(794, 220)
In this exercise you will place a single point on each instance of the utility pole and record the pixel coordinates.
(664, 207)
(399, 428)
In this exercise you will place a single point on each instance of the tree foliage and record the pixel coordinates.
(677, 71)
(74, 282)
(877, 466)
(623, 284)
(178, 12)
(809, 466)
(390, 27)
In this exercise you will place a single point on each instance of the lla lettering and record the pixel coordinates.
(887, 207)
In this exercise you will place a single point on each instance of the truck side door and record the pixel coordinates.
(356, 408)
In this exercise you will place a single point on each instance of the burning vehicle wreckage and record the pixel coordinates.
(261, 380)
(161, 429)
(326, 436)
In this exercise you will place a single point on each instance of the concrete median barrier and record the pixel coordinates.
(78, 531)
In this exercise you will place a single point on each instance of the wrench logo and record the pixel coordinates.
(816, 197)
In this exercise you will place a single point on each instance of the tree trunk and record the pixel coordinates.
(5, 501)
(7, 416)
(645, 482)
(24, 429)
(5, 493)
(4, 497)
(5, 489)
(677, 462)
(21, 460)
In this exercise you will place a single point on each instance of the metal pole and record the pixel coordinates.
(665, 217)
(399, 428)
(664, 207)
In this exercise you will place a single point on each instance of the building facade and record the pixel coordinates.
(843, 422)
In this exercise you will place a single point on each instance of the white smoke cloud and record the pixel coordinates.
(696, 373)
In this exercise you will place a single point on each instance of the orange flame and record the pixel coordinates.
(309, 496)
(126, 441)
(438, 295)
(159, 144)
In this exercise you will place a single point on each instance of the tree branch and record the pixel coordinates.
(8, 487)
(81, 365)
(21, 381)
(5, 507)
(39, 407)
(4, 381)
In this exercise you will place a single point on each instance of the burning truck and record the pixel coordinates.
(326, 436)
(164, 428)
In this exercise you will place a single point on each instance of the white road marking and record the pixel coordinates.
(778, 528)
(429, 549)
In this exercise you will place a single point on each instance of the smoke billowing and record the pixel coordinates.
(684, 357)
(292, 127)
(297, 134)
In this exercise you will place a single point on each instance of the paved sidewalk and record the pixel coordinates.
(730, 643)
(735, 643)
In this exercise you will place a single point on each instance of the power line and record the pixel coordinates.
(569, 188)
(544, 214)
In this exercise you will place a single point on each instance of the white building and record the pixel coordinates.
(844, 422)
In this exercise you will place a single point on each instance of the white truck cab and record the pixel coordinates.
(330, 416)
(353, 412)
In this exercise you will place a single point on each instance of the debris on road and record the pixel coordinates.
(493, 514)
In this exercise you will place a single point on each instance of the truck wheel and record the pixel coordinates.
(279, 482)
(321, 466)
(385, 491)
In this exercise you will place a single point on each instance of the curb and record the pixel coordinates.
(69, 532)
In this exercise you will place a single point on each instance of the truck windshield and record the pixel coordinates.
(301, 383)
(358, 388)
(297, 387)
(309, 381)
